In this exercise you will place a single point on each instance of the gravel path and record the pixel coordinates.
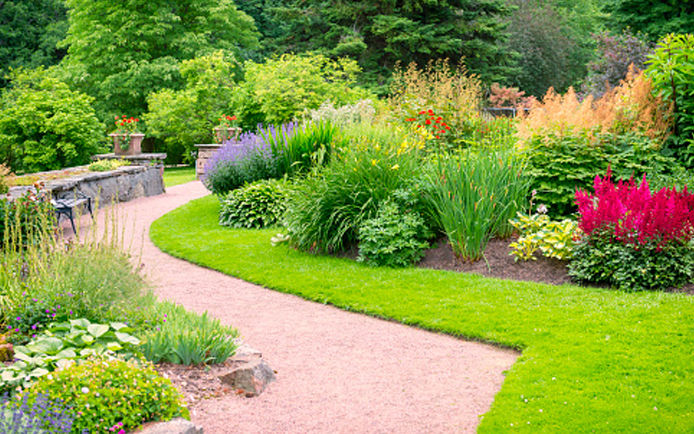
(337, 371)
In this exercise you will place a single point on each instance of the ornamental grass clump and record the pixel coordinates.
(474, 196)
(634, 238)
(296, 146)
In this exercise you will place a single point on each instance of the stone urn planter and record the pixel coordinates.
(127, 144)
(222, 134)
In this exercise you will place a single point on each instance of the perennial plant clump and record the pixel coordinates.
(635, 239)
(43, 415)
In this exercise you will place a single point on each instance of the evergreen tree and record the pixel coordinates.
(379, 34)
(655, 18)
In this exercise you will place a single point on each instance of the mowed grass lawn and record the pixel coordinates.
(593, 360)
(178, 175)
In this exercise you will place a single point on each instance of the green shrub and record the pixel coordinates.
(182, 118)
(62, 345)
(555, 239)
(324, 211)
(44, 125)
(106, 165)
(256, 205)
(282, 88)
(187, 338)
(671, 68)
(112, 393)
(395, 237)
(475, 195)
(599, 259)
(559, 166)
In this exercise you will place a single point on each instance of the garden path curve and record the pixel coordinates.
(337, 371)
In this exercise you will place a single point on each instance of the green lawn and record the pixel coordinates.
(593, 360)
(178, 175)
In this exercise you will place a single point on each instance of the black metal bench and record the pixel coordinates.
(66, 203)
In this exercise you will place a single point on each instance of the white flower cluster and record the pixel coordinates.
(361, 111)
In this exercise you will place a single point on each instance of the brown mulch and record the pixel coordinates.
(502, 265)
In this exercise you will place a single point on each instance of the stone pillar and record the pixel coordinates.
(205, 152)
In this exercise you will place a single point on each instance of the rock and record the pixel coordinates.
(251, 378)
(174, 426)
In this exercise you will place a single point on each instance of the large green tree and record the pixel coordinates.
(120, 51)
(379, 34)
(654, 18)
(554, 40)
(30, 31)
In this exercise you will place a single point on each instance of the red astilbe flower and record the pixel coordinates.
(633, 214)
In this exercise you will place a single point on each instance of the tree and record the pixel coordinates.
(182, 118)
(44, 125)
(655, 18)
(379, 34)
(120, 51)
(29, 34)
(616, 54)
(554, 40)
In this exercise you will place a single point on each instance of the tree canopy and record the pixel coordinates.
(119, 52)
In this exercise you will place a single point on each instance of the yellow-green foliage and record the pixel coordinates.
(555, 239)
(282, 88)
(106, 165)
(107, 393)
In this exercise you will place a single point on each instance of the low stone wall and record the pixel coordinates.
(120, 185)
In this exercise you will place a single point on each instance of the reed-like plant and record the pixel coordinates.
(295, 146)
(475, 195)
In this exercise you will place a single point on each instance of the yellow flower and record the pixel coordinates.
(373, 162)
(395, 167)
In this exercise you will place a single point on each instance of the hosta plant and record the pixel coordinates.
(555, 239)
(254, 206)
(62, 345)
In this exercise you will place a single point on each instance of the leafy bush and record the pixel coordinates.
(62, 345)
(111, 393)
(236, 164)
(182, 118)
(393, 238)
(671, 67)
(188, 338)
(106, 165)
(41, 416)
(475, 195)
(635, 239)
(282, 88)
(560, 164)
(256, 205)
(555, 239)
(616, 54)
(324, 211)
(44, 125)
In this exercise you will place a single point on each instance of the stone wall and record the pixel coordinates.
(120, 185)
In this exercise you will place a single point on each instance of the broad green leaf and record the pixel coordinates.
(128, 339)
(97, 330)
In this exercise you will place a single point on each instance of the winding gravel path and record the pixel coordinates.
(337, 371)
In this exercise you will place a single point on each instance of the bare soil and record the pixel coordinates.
(501, 264)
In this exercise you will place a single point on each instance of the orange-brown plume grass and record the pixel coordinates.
(630, 106)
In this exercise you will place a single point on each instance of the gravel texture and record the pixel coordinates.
(337, 371)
